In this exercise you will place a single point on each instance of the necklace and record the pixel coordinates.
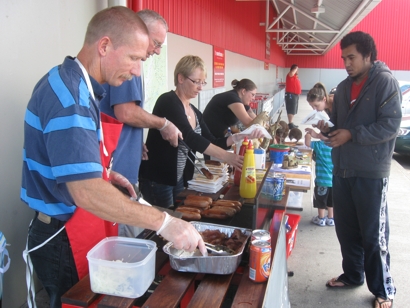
(187, 112)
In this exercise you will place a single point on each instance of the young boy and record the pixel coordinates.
(322, 198)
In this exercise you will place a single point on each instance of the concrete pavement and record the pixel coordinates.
(316, 256)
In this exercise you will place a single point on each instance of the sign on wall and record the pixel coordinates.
(267, 49)
(219, 67)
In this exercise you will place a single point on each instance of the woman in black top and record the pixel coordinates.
(162, 175)
(228, 108)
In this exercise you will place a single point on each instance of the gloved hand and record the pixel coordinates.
(182, 234)
(171, 133)
(120, 180)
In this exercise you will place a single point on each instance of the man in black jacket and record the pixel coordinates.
(366, 116)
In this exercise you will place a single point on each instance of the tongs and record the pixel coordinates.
(204, 170)
(219, 249)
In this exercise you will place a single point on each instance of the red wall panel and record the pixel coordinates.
(234, 26)
(229, 24)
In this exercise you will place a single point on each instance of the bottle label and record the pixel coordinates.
(250, 175)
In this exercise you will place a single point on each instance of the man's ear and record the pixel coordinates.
(104, 45)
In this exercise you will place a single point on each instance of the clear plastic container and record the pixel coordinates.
(122, 266)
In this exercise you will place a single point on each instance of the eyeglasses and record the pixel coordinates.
(253, 94)
(198, 83)
(156, 44)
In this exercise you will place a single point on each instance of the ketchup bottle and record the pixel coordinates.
(247, 186)
(238, 172)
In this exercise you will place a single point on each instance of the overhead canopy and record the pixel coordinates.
(313, 27)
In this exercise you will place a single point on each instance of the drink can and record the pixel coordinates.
(259, 261)
(260, 234)
(267, 188)
(281, 175)
(278, 186)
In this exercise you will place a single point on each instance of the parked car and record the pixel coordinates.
(405, 92)
(402, 145)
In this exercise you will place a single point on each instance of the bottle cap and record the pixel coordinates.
(250, 145)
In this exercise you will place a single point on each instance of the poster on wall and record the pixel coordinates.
(219, 67)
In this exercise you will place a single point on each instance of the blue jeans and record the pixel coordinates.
(53, 263)
(160, 194)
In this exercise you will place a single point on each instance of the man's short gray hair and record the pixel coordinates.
(149, 17)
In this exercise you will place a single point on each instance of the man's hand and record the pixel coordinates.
(144, 152)
(338, 138)
(120, 180)
(182, 234)
(324, 127)
(171, 133)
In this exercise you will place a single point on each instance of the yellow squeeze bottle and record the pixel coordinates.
(247, 186)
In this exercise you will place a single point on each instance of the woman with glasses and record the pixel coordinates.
(229, 108)
(163, 175)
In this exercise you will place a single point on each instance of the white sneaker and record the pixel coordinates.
(319, 221)
(330, 221)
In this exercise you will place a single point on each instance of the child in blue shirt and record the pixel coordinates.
(322, 198)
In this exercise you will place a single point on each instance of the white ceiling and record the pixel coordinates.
(299, 30)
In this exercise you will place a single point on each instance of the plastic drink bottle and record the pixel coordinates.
(247, 186)
(238, 172)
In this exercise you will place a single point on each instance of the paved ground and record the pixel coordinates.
(316, 257)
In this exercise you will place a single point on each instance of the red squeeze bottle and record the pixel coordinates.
(238, 171)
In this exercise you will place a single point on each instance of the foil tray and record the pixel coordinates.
(196, 263)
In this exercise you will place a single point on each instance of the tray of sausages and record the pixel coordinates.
(232, 237)
(196, 207)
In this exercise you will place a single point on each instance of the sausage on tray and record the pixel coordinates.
(188, 215)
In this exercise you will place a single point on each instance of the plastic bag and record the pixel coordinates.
(250, 129)
(315, 116)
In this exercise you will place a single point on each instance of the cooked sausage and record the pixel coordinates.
(229, 201)
(213, 162)
(191, 209)
(227, 204)
(195, 203)
(207, 174)
(228, 210)
(199, 198)
(214, 214)
(188, 215)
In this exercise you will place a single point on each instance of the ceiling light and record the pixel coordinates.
(317, 9)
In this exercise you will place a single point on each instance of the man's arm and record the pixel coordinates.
(105, 201)
(133, 115)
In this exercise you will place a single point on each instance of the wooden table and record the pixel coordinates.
(180, 289)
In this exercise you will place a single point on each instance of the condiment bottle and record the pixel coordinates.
(247, 186)
(238, 172)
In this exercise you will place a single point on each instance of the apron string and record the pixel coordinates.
(31, 294)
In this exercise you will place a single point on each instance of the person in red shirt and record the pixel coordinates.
(292, 92)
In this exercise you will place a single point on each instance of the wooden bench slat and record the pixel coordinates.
(170, 291)
(80, 294)
(114, 302)
(211, 291)
(249, 294)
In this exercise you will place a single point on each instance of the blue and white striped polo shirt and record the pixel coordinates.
(61, 139)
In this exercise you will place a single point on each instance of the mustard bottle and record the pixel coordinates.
(247, 187)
